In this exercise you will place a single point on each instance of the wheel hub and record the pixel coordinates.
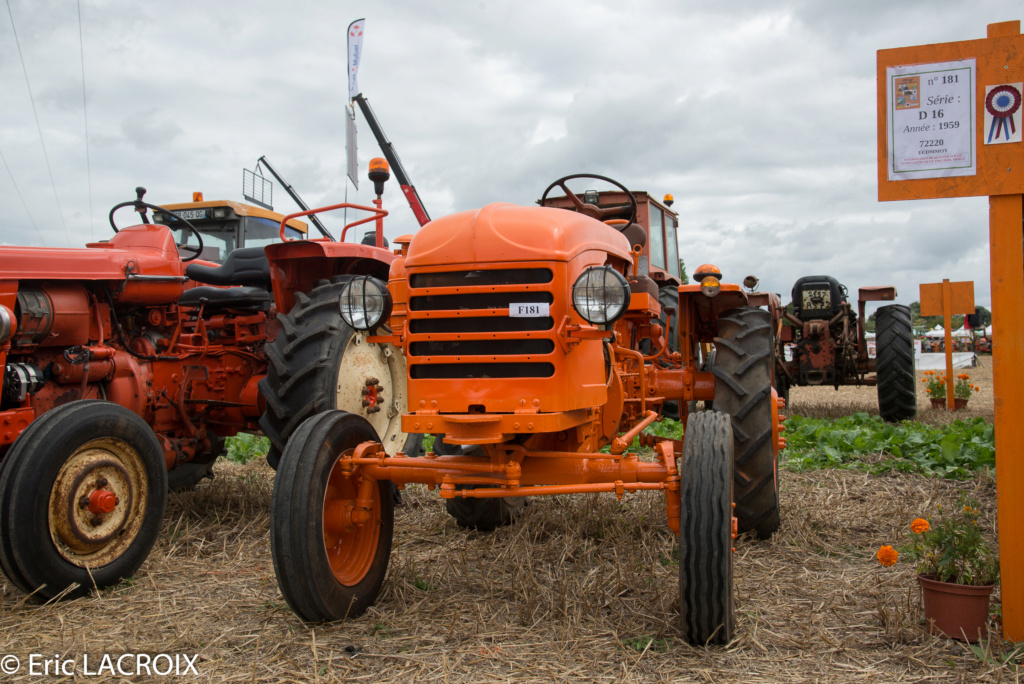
(94, 502)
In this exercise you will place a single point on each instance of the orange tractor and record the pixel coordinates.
(126, 366)
(524, 330)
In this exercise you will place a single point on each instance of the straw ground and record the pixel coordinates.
(580, 589)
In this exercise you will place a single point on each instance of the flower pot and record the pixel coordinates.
(957, 611)
(939, 403)
(959, 404)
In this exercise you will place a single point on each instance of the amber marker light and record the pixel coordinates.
(197, 197)
(669, 200)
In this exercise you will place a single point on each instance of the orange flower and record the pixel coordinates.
(887, 555)
(976, 389)
(963, 376)
(919, 525)
(929, 390)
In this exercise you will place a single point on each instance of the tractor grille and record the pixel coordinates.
(460, 326)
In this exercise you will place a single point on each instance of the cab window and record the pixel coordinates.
(217, 243)
(673, 246)
(657, 238)
(260, 232)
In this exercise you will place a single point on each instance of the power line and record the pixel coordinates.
(18, 190)
(39, 127)
(85, 113)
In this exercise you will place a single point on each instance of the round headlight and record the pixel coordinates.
(601, 295)
(710, 286)
(365, 303)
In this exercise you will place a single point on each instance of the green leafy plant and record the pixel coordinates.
(949, 547)
(868, 443)
(964, 387)
(244, 447)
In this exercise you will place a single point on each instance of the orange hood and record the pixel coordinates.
(503, 232)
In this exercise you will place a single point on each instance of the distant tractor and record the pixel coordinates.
(823, 342)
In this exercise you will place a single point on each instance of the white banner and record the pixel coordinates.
(355, 53)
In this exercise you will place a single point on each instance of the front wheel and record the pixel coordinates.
(82, 497)
(705, 530)
(330, 565)
(894, 340)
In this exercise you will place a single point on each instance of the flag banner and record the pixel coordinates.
(355, 50)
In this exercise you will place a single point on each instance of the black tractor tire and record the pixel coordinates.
(743, 390)
(301, 548)
(669, 297)
(50, 539)
(894, 341)
(483, 515)
(186, 476)
(705, 530)
(318, 363)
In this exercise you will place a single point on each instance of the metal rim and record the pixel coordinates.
(350, 548)
(371, 384)
(96, 502)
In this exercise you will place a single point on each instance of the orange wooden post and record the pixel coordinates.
(945, 299)
(983, 163)
(1007, 264)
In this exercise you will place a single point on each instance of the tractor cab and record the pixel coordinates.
(653, 228)
(227, 226)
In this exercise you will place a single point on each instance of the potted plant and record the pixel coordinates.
(936, 389)
(957, 570)
(962, 391)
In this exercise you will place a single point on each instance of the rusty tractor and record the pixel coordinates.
(823, 342)
(127, 363)
(523, 329)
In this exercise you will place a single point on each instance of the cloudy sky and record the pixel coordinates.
(758, 116)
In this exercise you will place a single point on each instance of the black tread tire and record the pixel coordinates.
(301, 565)
(483, 515)
(186, 476)
(28, 554)
(894, 341)
(669, 296)
(743, 389)
(705, 530)
(305, 361)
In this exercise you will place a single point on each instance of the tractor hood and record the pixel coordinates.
(507, 232)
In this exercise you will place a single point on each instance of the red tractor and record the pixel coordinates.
(823, 342)
(126, 366)
(525, 330)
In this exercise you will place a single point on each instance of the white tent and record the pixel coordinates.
(937, 331)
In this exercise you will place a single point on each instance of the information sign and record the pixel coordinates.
(931, 120)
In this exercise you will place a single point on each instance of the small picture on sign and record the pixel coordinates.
(908, 92)
(1003, 113)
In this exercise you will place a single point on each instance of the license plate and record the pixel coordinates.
(190, 214)
(528, 310)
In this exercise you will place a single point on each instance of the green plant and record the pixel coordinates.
(244, 447)
(953, 549)
(955, 450)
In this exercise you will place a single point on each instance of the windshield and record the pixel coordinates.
(216, 243)
(657, 238)
(260, 232)
(673, 246)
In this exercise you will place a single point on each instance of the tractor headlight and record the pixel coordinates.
(710, 286)
(365, 303)
(600, 295)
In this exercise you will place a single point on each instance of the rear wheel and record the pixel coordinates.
(82, 498)
(894, 340)
(329, 565)
(743, 389)
(317, 363)
(484, 515)
(705, 530)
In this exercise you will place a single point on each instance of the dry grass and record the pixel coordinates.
(582, 588)
(828, 402)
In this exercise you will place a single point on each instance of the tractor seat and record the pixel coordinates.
(226, 298)
(245, 266)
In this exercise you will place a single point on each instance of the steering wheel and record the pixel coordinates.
(597, 211)
(140, 206)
